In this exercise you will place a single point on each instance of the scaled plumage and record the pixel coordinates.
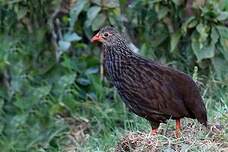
(150, 90)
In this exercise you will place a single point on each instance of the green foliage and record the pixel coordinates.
(45, 79)
(196, 33)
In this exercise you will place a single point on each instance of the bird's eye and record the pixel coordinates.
(106, 34)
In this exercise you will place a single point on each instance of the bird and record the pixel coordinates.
(149, 89)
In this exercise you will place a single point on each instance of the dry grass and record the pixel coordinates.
(194, 138)
(77, 135)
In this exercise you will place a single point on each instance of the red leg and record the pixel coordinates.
(178, 127)
(154, 131)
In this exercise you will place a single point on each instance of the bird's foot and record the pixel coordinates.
(178, 127)
(178, 133)
(154, 132)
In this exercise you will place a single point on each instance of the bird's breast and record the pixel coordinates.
(113, 69)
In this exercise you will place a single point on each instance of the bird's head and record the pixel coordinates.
(108, 36)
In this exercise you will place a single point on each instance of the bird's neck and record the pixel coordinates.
(117, 50)
(115, 57)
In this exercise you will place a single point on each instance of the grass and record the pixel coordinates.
(110, 124)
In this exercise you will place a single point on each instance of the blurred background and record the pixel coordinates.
(53, 96)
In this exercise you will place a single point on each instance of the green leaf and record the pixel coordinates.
(75, 11)
(92, 70)
(178, 2)
(69, 37)
(1, 104)
(193, 23)
(162, 12)
(83, 81)
(112, 17)
(67, 80)
(98, 22)
(203, 31)
(21, 13)
(202, 50)
(214, 35)
(25, 103)
(224, 49)
(185, 25)
(175, 37)
(223, 31)
(64, 45)
(41, 91)
(63, 83)
(205, 52)
(18, 120)
(91, 14)
(220, 66)
(107, 3)
(223, 4)
(223, 16)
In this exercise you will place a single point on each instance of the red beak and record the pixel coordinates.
(97, 37)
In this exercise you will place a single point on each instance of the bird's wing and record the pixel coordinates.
(190, 94)
(152, 89)
(187, 91)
